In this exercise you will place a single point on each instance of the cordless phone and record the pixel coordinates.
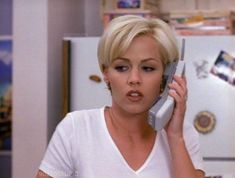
(162, 109)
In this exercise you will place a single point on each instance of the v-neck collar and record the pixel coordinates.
(107, 133)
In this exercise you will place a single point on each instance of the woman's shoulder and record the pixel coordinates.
(85, 115)
(190, 134)
(80, 118)
(189, 129)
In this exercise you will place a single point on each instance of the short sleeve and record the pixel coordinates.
(193, 145)
(57, 161)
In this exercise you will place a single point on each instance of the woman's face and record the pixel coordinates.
(135, 77)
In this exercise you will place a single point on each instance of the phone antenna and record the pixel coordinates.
(182, 49)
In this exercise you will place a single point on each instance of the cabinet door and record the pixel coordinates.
(86, 93)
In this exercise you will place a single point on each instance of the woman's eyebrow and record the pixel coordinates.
(152, 59)
(142, 61)
(149, 59)
(123, 58)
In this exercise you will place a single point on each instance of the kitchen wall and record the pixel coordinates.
(38, 28)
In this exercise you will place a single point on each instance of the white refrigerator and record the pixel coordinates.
(208, 94)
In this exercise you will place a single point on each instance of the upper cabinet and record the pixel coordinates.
(191, 17)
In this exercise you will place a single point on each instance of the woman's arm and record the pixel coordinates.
(42, 174)
(182, 164)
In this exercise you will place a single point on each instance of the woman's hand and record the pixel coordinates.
(178, 90)
(181, 161)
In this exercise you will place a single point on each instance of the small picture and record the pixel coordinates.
(129, 4)
(5, 93)
(224, 67)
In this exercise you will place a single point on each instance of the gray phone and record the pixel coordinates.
(162, 109)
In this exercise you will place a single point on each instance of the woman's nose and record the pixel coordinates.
(134, 77)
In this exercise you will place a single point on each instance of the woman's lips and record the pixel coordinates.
(134, 95)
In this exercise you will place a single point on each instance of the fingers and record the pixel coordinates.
(178, 89)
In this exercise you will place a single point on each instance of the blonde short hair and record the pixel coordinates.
(121, 31)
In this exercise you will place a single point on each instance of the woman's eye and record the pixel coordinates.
(148, 69)
(121, 68)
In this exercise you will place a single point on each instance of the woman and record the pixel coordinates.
(117, 141)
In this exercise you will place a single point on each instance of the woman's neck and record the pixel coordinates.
(127, 124)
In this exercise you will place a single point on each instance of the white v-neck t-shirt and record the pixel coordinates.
(82, 147)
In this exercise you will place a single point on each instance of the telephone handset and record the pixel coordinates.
(162, 110)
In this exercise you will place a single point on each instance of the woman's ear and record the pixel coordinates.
(105, 74)
(106, 78)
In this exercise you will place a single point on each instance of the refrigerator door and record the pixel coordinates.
(209, 93)
(86, 93)
(206, 92)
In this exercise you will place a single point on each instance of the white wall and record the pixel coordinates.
(38, 28)
(30, 85)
